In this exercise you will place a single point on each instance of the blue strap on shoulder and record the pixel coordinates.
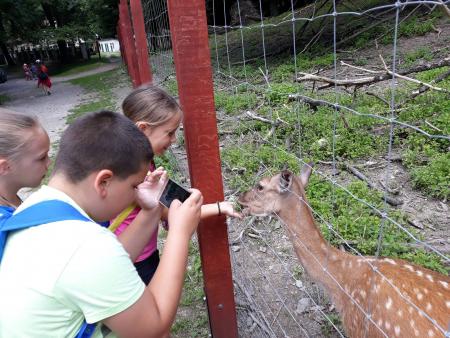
(41, 213)
(5, 214)
(86, 330)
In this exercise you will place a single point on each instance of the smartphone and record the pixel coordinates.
(173, 191)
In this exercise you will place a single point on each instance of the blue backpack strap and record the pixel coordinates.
(41, 213)
(5, 214)
(86, 330)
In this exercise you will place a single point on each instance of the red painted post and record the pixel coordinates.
(128, 39)
(122, 49)
(140, 41)
(194, 76)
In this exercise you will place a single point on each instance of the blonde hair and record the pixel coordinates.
(150, 104)
(13, 130)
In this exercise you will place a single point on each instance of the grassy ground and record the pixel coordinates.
(321, 134)
(100, 86)
(78, 67)
(3, 98)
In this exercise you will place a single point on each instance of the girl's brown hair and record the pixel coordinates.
(13, 132)
(150, 104)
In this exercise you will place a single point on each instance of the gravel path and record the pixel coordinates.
(25, 97)
(52, 110)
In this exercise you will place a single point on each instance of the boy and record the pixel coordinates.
(55, 275)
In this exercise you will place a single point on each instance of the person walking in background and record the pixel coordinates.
(34, 70)
(43, 78)
(27, 72)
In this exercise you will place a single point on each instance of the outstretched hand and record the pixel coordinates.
(147, 193)
(226, 208)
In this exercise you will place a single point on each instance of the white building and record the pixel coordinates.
(109, 45)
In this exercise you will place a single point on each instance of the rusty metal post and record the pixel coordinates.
(194, 76)
(140, 41)
(128, 39)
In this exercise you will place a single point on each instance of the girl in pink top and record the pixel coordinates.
(158, 116)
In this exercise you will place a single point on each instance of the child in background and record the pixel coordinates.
(34, 71)
(55, 275)
(158, 116)
(27, 72)
(43, 78)
(24, 161)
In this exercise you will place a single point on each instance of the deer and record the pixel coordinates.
(375, 296)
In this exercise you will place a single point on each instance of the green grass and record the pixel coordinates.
(101, 85)
(4, 98)
(311, 137)
(234, 103)
(80, 66)
(192, 301)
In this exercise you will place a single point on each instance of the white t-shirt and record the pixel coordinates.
(54, 275)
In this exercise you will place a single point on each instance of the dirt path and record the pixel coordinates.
(25, 97)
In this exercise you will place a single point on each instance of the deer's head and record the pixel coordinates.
(268, 195)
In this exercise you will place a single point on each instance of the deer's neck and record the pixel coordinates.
(313, 250)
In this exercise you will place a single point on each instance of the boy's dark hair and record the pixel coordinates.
(102, 140)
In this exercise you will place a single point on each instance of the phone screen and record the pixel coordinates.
(173, 191)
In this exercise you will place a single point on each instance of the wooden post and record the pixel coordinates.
(194, 76)
(128, 39)
(141, 41)
(122, 49)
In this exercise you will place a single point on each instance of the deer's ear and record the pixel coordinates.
(285, 181)
(305, 173)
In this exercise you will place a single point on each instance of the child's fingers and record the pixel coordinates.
(237, 215)
(228, 209)
(196, 197)
(175, 204)
(156, 175)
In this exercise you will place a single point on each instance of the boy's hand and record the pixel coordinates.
(186, 216)
(147, 193)
(226, 208)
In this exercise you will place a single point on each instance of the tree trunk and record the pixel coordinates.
(63, 51)
(5, 52)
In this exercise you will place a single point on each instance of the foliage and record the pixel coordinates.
(434, 177)
(355, 222)
(332, 320)
(421, 53)
(235, 103)
(49, 21)
(15, 15)
(322, 133)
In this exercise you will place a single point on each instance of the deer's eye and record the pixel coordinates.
(259, 187)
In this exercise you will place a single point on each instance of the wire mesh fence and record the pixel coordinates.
(338, 84)
(156, 20)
